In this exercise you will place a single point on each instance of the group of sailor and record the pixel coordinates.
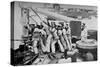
(46, 36)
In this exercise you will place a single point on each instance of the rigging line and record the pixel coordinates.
(36, 14)
(33, 15)
(33, 19)
(40, 17)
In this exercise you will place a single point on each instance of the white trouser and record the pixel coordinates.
(43, 47)
(35, 46)
(61, 46)
(63, 42)
(48, 42)
(67, 42)
(53, 45)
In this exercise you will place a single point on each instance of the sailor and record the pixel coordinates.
(48, 39)
(54, 39)
(84, 32)
(36, 38)
(66, 36)
(61, 41)
(62, 38)
(42, 37)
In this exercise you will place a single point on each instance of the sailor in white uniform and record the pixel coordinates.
(61, 41)
(54, 39)
(38, 31)
(35, 39)
(66, 36)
